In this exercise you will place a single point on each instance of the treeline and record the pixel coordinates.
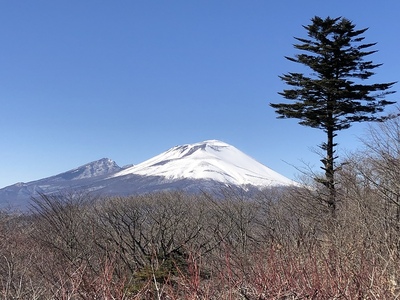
(280, 244)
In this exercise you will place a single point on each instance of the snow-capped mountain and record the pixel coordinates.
(19, 194)
(100, 167)
(209, 160)
(197, 167)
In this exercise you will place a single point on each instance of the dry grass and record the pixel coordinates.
(215, 249)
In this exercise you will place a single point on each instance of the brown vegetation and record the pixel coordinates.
(277, 245)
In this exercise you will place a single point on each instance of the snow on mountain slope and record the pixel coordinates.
(208, 160)
(96, 168)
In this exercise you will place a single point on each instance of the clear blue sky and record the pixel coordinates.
(127, 80)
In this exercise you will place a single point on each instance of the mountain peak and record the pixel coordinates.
(209, 160)
(99, 167)
(189, 149)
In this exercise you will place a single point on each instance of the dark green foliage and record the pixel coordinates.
(334, 95)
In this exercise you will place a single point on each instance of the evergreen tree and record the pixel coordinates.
(333, 95)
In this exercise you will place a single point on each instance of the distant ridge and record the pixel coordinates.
(207, 165)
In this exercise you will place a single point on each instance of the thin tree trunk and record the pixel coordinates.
(330, 172)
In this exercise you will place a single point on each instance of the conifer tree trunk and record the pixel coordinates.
(329, 164)
(330, 172)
